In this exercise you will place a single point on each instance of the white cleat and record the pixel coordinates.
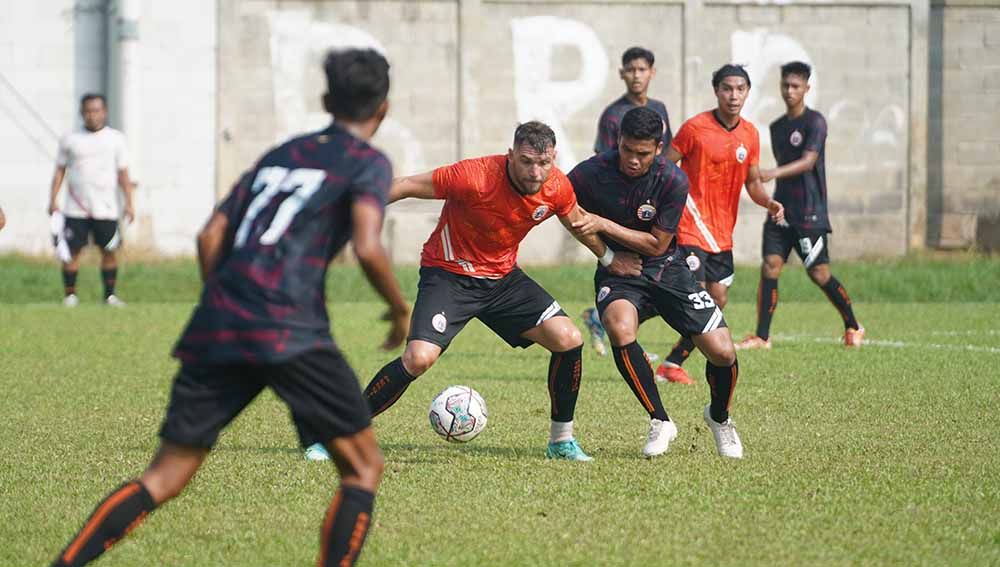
(726, 439)
(71, 300)
(113, 301)
(661, 433)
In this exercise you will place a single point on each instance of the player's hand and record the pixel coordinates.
(626, 264)
(53, 207)
(767, 175)
(777, 211)
(129, 212)
(588, 224)
(399, 320)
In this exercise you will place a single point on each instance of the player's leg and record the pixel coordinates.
(394, 378)
(76, 232)
(670, 370)
(814, 249)
(777, 242)
(597, 333)
(719, 273)
(108, 239)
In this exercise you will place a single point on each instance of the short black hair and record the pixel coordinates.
(357, 81)
(642, 123)
(796, 68)
(536, 134)
(729, 70)
(93, 96)
(634, 53)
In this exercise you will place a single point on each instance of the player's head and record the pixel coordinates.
(640, 142)
(94, 110)
(532, 156)
(357, 83)
(795, 82)
(637, 69)
(732, 86)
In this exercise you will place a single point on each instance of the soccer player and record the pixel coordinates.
(469, 269)
(798, 140)
(719, 151)
(262, 319)
(634, 199)
(636, 72)
(96, 159)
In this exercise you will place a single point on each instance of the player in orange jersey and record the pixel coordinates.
(719, 151)
(468, 269)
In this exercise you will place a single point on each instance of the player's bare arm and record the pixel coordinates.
(755, 188)
(3, 219)
(211, 241)
(420, 186)
(673, 155)
(366, 219)
(621, 263)
(654, 243)
(125, 182)
(792, 169)
(57, 179)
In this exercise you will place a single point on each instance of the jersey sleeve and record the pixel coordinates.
(62, 155)
(372, 183)
(459, 179)
(816, 138)
(684, 140)
(671, 206)
(232, 206)
(566, 198)
(121, 153)
(607, 133)
(581, 189)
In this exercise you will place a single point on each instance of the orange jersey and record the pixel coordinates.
(717, 162)
(484, 218)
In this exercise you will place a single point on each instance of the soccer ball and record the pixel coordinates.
(458, 414)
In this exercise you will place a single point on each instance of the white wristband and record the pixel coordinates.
(608, 257)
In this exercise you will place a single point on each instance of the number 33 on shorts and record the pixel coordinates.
(701, 300)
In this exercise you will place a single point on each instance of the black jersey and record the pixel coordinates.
(638, 203)
(803, 196)
(288, 217)
(609, 125)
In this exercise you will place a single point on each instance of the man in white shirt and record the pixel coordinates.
(97, 162)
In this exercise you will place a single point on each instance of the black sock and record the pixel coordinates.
(387, 386)
(838, 297)
(108, 277)
(565, 369)
(722, 382)
(69, 281)
(114, 518)
(345, 526)
(634, 367)
(681, 351)
(767, 301)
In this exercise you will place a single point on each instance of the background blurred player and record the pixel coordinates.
(468, 268)
(96, 158)
(636, 72)
(720, 153)
(262, 318)
(798, 140)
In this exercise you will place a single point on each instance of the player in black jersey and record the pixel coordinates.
(261, 321)
(636, 72)
(634, 198)
(798, 140)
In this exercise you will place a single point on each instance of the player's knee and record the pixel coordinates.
(163, 487)
(771, 268)
(568, 337)
(364, 469)
(418, 360)
(722, 300)
(723, 355)
(819, 274)
(621, 332)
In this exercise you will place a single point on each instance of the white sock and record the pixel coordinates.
(560, 431)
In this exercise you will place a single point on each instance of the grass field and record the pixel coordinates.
(884, 455)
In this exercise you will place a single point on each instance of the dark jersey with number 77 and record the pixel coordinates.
(288, 217)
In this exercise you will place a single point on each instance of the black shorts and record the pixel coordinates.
(318, 386)
(78, 232)
(708, 267)
(812, 246)
(509, 306)
(677, 298)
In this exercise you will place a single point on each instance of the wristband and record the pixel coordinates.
(608, 257)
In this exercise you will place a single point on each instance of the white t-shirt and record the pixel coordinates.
(92, 161)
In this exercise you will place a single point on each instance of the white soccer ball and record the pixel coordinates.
(458, 414)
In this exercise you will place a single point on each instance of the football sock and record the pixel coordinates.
(767, 301)
(634, 367)
(722, 382)
(560, 431)
(839, 298)
(387, 386)
(108, 277)
(69, 281)
(345, 526)
(114, 518)
(565, 369)
(681, 351)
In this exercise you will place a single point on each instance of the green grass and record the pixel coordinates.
(885, 455)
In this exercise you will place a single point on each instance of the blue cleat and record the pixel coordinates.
(317, 452)
(593, 322)
(567, 451)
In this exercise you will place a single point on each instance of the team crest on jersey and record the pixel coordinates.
(603, 293)
(646, 212)
(741, 153)
(540, 212)
(439, 322)
(796, 138)
(693, 262)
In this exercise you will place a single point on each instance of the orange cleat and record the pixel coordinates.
(674, 374)
(751, 342)
(854, 337)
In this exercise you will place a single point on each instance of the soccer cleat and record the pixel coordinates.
(71, 300)
(567, 451)
(726, 439)
(317, 452)
(113, 301)
(593, 323)
(854, 337)
(751, 342)
(675, 374)
(661, 433)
